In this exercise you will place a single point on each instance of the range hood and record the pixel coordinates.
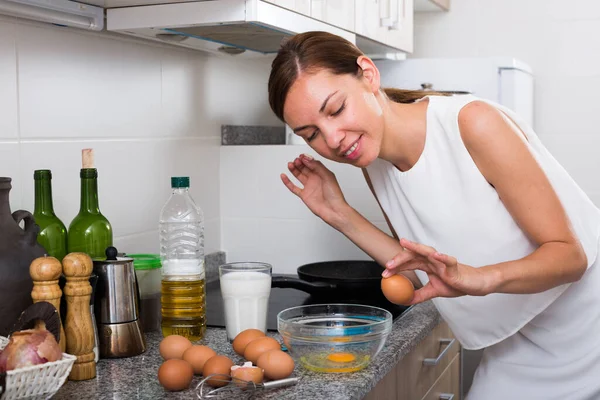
(251, 27)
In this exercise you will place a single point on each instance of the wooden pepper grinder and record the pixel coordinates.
(77, 268)
(45, 272)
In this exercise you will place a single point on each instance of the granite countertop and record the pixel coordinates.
(136, 377)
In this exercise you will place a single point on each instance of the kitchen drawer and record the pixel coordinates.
(448, 385)
(416, 373)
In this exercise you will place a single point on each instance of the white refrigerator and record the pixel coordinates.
(506, 81)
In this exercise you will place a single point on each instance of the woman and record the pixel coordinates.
(493, 229)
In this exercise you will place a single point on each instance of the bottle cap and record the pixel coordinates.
(145, 261)
(180, 182)
(42, 174)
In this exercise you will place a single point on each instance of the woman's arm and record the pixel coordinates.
(409, 274)
(322, 195)
(499, 150)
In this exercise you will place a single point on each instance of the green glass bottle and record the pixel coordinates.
(90, 232)
(53, 233)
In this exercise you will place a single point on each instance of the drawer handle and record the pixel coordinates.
(446, 396)
(435, 361)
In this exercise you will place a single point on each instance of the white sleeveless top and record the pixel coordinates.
(445, 202)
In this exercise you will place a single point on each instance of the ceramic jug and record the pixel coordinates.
(18, 248)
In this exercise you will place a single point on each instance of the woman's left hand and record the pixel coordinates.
(447, 278)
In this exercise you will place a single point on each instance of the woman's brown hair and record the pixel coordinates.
(311, 51)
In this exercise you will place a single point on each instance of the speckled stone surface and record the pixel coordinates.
(252, 135)
(211, 265)
(136, 377)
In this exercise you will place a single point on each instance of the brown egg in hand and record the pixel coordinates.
(398, 289)
(175, 375)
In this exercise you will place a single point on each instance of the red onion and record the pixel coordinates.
(29, 347)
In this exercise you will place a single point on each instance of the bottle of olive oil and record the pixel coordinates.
(89, 232)
(181, 231)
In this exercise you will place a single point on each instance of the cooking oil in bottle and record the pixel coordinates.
(183, 307)
(181, 232)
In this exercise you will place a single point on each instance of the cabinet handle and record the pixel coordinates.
(388, 13)
(446, 396)
(434, 361)
(385, 13)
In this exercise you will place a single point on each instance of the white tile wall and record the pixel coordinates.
(9, 167)
(8, 83)
(263, 221)
(558, 40)
(148, 111)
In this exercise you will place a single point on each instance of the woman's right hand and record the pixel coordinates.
(321, 192)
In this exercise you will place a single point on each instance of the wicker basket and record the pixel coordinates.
(38, 381)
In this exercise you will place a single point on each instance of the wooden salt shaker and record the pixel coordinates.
(77, 268)
(45, 272)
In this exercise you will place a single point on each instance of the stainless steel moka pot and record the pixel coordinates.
(116, 307)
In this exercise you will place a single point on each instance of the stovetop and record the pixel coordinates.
(282, 298)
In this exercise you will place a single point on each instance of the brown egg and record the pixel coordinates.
(173, 346)
(217, 365)
(258, 346)
(246, 373)
(197, 356)
(175, 375)
(276, 364)
(398, 289)
(243, 338)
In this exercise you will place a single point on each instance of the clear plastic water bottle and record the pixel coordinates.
(183, 301)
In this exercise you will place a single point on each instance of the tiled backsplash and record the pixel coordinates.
(263, 221)
(148, 111)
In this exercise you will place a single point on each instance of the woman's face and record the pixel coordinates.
(339, 116)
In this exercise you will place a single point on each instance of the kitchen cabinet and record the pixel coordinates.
(430, 371)
(432, 5)
(384, 24)
(340, 13)
(299, 6)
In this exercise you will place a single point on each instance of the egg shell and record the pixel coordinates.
(246, 373)
(175, 375)
(218, 365)
(258, 346)
(276, 364)
(398, 289)
(197, 356)
(173, 347)
(243, 338)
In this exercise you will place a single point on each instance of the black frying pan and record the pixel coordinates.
(354, 277)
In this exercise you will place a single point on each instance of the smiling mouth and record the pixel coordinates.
(350, 153)
(351, 149)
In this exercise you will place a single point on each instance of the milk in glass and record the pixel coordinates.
(245, 298)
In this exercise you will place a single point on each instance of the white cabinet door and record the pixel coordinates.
(339, 13)
(366, 22)
(399, 33)
(386, 21)
(300, 6)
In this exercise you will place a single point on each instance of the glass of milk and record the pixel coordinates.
(245, 287)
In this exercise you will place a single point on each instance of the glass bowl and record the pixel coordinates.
(334, 337)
